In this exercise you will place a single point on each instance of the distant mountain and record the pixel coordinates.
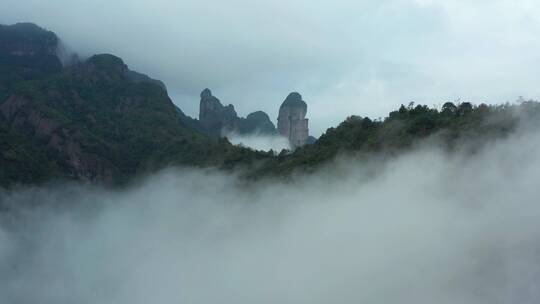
(217, 120)
(257, 123)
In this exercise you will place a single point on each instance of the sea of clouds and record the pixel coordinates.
(425, 227)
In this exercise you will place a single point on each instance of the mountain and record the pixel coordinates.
(216, 119)
(257, 122)
(95, 120)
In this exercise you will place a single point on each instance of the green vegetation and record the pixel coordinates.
(402, 129)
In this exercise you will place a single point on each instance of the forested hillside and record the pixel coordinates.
(450, 127)
(93, 120)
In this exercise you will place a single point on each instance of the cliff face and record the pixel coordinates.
(217, 119)
(292, 122)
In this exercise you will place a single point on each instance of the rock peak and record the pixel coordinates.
(29, 45)
(294, 96)
(217, 119)
(294, 99)
(206, 93)
(214, 116)
(292, 122)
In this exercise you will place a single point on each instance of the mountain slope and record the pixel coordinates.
(94, 121)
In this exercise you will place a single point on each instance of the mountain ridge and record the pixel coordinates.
(93, 121)
(98, 121)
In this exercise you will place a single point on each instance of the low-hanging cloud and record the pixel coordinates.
(261, 142)
(426, 227)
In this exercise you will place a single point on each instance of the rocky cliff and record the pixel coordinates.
(292, 122)
(217, 119)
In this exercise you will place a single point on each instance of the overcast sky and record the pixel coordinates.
(344, 57)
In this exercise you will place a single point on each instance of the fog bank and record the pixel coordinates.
(260, 142)
(426, 227)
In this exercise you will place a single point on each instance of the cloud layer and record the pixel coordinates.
(261, 142)
(346, 57)
(427, 227)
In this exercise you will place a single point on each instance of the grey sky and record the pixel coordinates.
(345, 57)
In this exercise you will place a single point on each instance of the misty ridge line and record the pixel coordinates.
(98, 121)
(372, 164)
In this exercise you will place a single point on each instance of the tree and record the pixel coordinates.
(465, 108)
(449, 108)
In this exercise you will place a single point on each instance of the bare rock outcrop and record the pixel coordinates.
(257, 123)
(292, 122)
(217, 119)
